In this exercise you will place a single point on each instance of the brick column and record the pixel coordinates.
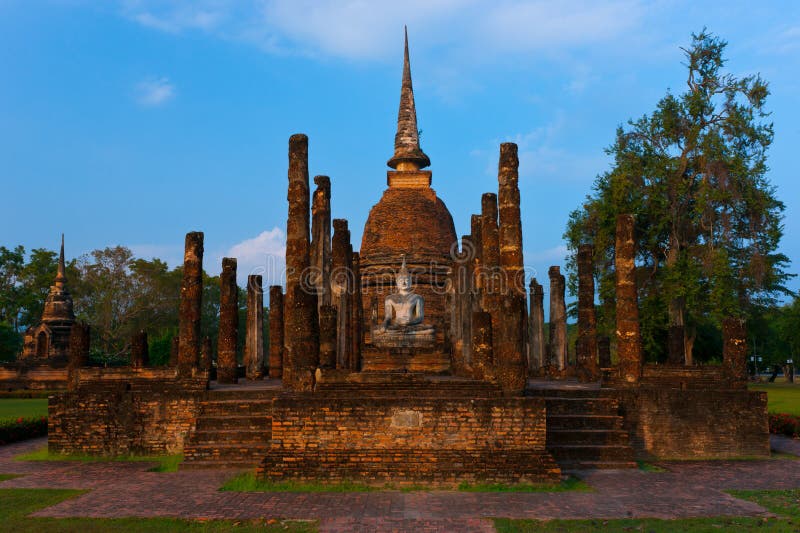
(327, 336)
(275, 332)
(206, 355)
(734, 350)
(254, 335)
(79, 341)
(140, 354)
(356, 312)
(586, 368)
(482, 358)
(537, 345)
(321, 239)
(510, 230)
(228, 336)
(191, 303)
(604, 351)
(341, 289)
(301, 320)
(629, 342)
(558, 319)
(173, 350)
(490, 233)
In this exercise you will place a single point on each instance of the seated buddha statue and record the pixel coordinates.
(403, 317)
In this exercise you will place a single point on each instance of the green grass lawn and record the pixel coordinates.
(22, 407)
(784, 503)
(17, 504)
(164, 463)
(781, 397)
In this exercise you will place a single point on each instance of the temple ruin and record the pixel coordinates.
(416, 358)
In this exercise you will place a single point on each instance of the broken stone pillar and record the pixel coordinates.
(191, 303)
(341, 289)
(321, 239)
(509, 369)
(79, 341)
(254, 334)
(734, 350)
(537, 344)
(629, 342)
(173, 351)
(587, 368)
(206, 355)
(490, 244)
(604, 351)
(476, 224)
(140, 354)
(228, 336)
(357, 312)
(482, 357)
(275, 332)
(558, 320)
(462, 287)
(301, 319)
(510, 231)
(327, 336)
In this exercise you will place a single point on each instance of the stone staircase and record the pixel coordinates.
(233, 430)
(584, 429)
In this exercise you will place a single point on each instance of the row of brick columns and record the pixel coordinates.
(489, 316)
(317, 322)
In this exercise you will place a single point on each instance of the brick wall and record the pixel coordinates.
(670, 423)
(125, 412)
(408, 440)
(16, 376)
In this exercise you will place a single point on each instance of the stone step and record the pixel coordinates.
(244, 422)
(581, 421)
(595, 437)
(231, 436)
(587, 452)
(568, 466)
(583, 406)
(570, 393)
(207, 465)
(237, 407)
(239, 453)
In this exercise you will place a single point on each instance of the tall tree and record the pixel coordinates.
(708, 221)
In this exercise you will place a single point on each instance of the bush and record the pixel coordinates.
(15, 430)
(783, 424)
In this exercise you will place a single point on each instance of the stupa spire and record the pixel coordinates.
(61, 276)
(407, 153)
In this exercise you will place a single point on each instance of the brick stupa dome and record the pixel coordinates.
(412, 221)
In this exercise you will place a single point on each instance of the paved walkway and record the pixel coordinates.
(686, 489)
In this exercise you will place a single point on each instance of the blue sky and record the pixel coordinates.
(134, 122)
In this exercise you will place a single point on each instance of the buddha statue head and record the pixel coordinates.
(403, 279)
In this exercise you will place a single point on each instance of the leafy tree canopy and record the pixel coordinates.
(694, 173)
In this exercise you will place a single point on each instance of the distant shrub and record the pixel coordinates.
(15, 430)
(783, 424)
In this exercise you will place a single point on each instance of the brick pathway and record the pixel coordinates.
(686, 489)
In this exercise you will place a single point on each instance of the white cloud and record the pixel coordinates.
(154, 92)
(263, 254)
(362, 29)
